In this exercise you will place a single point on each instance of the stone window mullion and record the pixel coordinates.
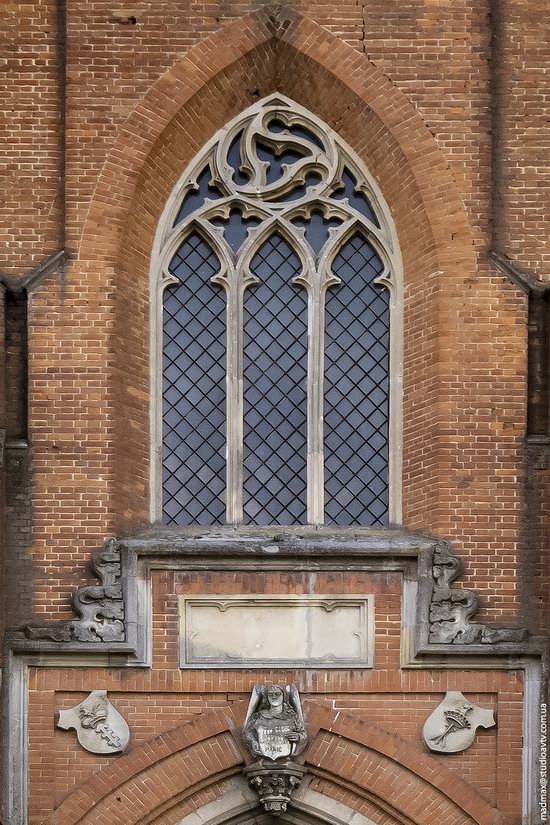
(277, 171)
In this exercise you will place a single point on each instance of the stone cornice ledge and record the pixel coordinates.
(114, 617)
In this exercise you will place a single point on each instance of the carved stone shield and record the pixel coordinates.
(452, 726)
(273, 737)
(99, 726)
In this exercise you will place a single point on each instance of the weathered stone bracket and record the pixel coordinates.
(451, 610)
(100, 607)
(274, 783)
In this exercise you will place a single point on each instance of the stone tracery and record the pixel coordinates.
(278, 172)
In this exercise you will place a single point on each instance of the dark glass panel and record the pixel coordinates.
(234, 160)
(358, 200)
(303, 132)
(356, 390)
(275, 390)
(275, 171)
(316, 229)
(194, 389)
(300, 190)
(195, 198)
(236, 228)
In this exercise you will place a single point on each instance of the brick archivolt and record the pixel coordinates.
(215, 81)
(371, 768)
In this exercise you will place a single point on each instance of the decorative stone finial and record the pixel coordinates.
(274, 732)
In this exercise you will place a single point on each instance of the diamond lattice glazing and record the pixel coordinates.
(275, 390)
(194, 390)
(356, 390)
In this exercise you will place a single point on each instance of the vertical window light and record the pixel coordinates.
(274, 276)
(194, 389)
(275, 390)
(356, 390)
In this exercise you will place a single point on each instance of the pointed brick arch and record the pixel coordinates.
(178, 771)
(291, 44)
(246, 60)
(296, 38)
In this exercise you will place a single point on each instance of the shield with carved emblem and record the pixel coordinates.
(452, 726)
(273, 737)
(99, 726)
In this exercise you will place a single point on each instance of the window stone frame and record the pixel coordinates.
(235, 276)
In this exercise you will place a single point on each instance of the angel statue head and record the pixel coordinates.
(274, 726)
(275, 698)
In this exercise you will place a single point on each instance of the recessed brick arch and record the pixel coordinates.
(182, 769)
(214, 57)
(181, 761)
(248, 59)
(370, 761)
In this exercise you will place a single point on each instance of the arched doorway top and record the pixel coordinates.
(357, 758)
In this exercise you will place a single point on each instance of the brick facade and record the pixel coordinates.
(445, 103)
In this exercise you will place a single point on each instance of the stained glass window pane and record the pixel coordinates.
(356, 390)
(275, 390)
(194, 389)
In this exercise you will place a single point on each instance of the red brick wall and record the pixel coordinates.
(464, 345)
(408, 86)
(158, 700)
(30, 203)
(162, 701)
(465, 326)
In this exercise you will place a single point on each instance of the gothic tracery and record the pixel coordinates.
(276, 197)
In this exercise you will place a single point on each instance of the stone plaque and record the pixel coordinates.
(276, 631)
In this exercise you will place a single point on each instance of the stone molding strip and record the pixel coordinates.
(114, 616)
(53, 263)
(524, 279)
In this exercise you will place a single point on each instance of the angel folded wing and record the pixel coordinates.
(255, 700)
(294, 701)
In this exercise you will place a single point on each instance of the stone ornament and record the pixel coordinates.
(451, 610)
(275, 786)
(274, 726)
(99, 727)
(274, 732)
(452, 726)
(100, 607)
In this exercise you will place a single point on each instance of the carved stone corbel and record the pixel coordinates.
(275, 785)
(451, 610)
(100, 607)
(274, 731)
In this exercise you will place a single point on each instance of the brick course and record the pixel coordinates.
(446, 103)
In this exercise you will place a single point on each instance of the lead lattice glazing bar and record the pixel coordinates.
(277, 165)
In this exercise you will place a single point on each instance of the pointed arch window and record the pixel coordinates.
(276, 324)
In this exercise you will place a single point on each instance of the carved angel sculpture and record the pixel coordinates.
(274, 726)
